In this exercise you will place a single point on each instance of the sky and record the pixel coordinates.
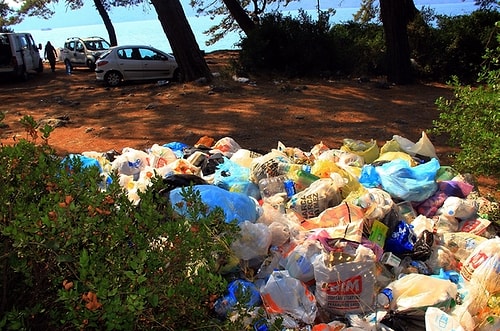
(88, 14)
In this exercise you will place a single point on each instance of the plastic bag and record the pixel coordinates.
(254, 241)
(376, 203)
(417, 290)
(299, 262)
(402, 181)
(343, 221)
(239, 291)
(344, 287)
(423, 147)
(235, 178)
(321, 194)
(402, 239)
(368, 150)
(267, 165)
(463, 209)
(131, 162)
(438, 320)
(283, 294)
(236, 206)
(227, 146)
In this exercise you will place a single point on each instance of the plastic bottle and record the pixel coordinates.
(271, 186)
(303, 180)
(384, 298)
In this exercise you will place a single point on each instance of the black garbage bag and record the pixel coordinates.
(408, 320)
(422, 249)
(180, 180)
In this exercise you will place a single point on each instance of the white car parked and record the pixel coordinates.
(135, 62)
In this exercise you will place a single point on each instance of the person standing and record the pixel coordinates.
(51, 55)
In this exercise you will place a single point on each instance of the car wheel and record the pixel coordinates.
(69, 67)
(91, 65)
(40, 67)
(22, 74)
(177, 77)
(113, 78)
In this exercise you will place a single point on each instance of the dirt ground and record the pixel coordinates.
(256, 114)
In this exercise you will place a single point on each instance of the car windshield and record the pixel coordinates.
(105, 54)
(97, 45)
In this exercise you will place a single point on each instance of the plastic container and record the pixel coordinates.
(303, 180)
(272, 186)
(384, 298)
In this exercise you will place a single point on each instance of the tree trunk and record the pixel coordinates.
(240, 15)
(181, 38)
(396, 14)
(107, 22)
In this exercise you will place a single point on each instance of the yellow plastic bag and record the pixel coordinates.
(368, 150)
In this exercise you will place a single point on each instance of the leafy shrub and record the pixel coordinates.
(77, 256)
(472, 119)
(445, 46)
(360, 48)
(293, 46)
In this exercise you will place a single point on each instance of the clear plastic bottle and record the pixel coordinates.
(384, 298)
(271, 186)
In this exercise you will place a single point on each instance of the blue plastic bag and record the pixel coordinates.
(233, 177)
(403, 181)
(236, 206)
(402, 239)
(242, 291)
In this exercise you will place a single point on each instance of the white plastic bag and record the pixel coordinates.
(283, 294)
(320, 195)
(346, 287)
(254, 241)
(438, 320)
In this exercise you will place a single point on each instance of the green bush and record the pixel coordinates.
(360, 48)
(77, 254)
(472, 119)
(446, 46)
(292, 46)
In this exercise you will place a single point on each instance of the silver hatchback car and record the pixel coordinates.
(134, 63)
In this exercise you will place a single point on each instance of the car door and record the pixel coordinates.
(27, 52)
(79, 56)
(155, 65)
(130, 63)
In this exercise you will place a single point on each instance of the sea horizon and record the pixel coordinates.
(149, 31)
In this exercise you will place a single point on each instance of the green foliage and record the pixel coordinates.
(445, 46)
(472, 119)
(294, 46)
(77, 256)
(359, 48)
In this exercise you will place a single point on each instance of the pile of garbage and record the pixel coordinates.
(356, 238)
